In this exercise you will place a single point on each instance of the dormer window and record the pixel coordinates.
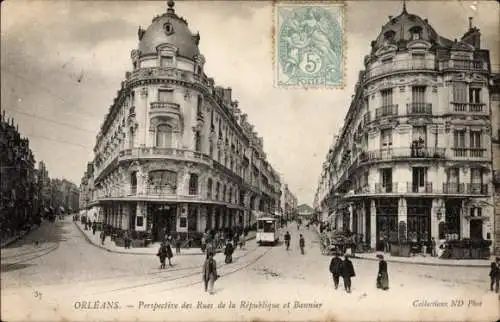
(389, 37)
(416, 33)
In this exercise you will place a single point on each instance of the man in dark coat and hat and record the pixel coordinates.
(347, 273)
(495, 274)
(336, 269)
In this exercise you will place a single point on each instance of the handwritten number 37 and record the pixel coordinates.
(37, 295)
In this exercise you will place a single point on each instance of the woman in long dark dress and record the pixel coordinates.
(383, 276)
(169, 253)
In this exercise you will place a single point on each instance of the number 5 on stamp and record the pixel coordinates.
(309, 44)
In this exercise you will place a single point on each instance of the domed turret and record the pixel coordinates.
(404, 28)
(169, 29)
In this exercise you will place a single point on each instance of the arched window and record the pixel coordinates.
(133, 182)
(209, 189)
(197, 141)
(416, 32)
(193, 184)
(163, 136)
(131, 138)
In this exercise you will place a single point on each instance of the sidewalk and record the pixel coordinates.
(427, 260)
(18, 236)
(150, 250)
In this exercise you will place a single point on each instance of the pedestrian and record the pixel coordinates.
(228, 251)
(210, 274)
(242, 241)
(287, 240)
(336, 269)
(203, 243)
(103, 237)
(383, 276)
(169, 253)
(433, 247)
(127, 239)
(236, 239)
(302, 244)
(178, 244)
(162, 254)
(210, 249)
(347, 273)
(495, 274)
(94, 227)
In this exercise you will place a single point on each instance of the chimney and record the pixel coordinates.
(470, 22)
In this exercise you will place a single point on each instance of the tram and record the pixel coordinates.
(267, 231)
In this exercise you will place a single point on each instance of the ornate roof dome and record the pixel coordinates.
(404, 28)
(169, 29)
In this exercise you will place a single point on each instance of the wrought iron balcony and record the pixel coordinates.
(388, 188)
(469, 108)
(388, 110)
(413, 187)
(463, 188)
(419, 109)
(402, 153)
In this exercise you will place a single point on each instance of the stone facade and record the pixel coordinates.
(413, 159)
(175, 152)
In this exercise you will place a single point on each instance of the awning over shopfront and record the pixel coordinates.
(61, 208)
(45, 209)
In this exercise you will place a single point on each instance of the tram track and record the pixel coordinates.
(7, 266)
(195, 272)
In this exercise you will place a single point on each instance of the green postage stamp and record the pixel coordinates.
(309, 44)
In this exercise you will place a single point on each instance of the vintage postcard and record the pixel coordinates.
(250, 161)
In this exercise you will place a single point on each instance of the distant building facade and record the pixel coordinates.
(495, 123)
(18, 189)
(305, 212)
(414, 155)
(175, 153)
(288, 202)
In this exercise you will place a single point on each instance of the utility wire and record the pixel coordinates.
(60, 141)
(52, 121)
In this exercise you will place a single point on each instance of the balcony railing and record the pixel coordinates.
(419, 108)
(402, 153)
(460, 107)
(388, 188)
(398, 66)
(463, 64)
(388, 110)
(413, 187)
(462, 188)
(164, 107)
(469, 152)
(156, 152)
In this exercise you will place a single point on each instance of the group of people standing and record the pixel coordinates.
(345, 269)
(302, 242)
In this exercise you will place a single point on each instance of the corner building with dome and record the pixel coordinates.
(175, 154)
(413, 159)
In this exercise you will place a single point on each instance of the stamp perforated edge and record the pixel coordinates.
(340, 3)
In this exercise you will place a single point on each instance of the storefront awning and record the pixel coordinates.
(45, 209)
(61, 208)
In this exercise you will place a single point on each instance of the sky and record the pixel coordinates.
(62, 63)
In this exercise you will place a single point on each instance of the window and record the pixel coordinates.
(386, 97)
(183, 222)
(474, 95)
(419, 174)
(162, 182)
(386, 139)
(217, 188)
(475, 139)
(209, 189)
(476, 212)
(418, 94)
(459, 92)
(386, 175)
(454, 175)
(131, 138)
(387, 60)
(199, 105)
(197, 141)
(193, 184)
(223, 193)
(419, 135)
(476, 176)
(165, 95)
(231, 195)
(211, 149)
(164, 136)
(166, 61)
(416, 32)
(459, 138)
